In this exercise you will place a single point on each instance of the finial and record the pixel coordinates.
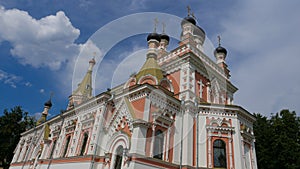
(51, 95)
(155, 24)
(193, 15)
(219, 40)
(189, 10)
(164, 27)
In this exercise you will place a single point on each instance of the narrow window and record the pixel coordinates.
(84, 142)
(158, 145)
(119, 158)
(219, 154)
(66, 146)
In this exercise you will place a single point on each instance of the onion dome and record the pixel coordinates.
(92, 61)
(153, 36)
(165, 36)
(198, 31)
(220, 49)
(48, 103)
(188, 19)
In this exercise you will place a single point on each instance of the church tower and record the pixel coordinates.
(84, 89)
(176, 112)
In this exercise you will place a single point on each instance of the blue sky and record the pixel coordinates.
(40, 42)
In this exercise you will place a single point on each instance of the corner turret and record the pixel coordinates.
(84, 89)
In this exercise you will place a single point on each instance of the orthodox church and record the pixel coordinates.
(176, 112)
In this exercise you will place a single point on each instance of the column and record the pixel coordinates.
(147, 109)
(152, 140)
(208, 93)
(167, 143)
(253, 155)
(138, 139)
(200, 88)
(243, 152)
(209, 151)
(230, 151)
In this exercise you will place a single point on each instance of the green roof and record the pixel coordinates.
(150, 67)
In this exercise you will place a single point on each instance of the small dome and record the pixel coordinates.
(92, 61)
(165, 36)
(48, 103)
(188, 19)
(153, 36)
(220, 49)
(198, 31)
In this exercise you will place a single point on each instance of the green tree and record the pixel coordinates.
(263, 133)
(12, 124)
(278, 140)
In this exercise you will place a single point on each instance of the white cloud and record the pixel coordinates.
(10, 79)
(47, 42)
(263, 39)
(28, 84)
(42, 90)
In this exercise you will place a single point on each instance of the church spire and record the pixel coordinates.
(151, 66)
(84, 89)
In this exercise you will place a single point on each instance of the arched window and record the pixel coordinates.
(158, 145)
(66, 146)
(119, 158)
(219, 154)
(84, 143)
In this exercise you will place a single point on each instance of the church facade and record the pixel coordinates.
(176, 112)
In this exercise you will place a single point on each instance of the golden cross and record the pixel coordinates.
(219, 40)
(189, 10)
(164, 27)
(155, 24)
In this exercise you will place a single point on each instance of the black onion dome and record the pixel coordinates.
(220, 49)
(199, 31)
(188, 19)
(165, 36)
(153, 36)
(48, 103)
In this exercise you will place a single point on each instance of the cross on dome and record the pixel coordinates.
(189, 10)
(164, 27)
(155, 24)
(219, 40)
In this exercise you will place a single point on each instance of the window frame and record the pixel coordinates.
(219, 146)
(158, 148)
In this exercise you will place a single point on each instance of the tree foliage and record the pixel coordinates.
(278, 140)
(12, 124)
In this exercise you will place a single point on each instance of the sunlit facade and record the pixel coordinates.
(176, 112)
